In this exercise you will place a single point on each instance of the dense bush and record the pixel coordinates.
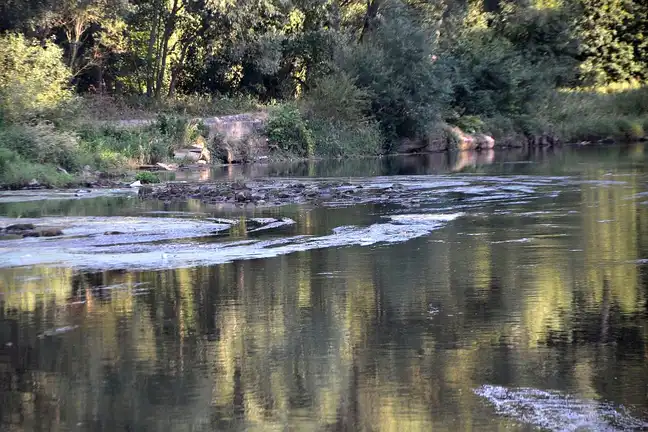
(147, 177)
(146, 145)
(16, 172)
(394, 66)
(33, 77)
(43, 143)
(288, 131)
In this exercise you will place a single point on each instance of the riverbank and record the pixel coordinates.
(103, 149)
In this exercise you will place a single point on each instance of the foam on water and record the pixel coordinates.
(136, 254)
(556, 411)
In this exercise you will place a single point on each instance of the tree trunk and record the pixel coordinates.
(370, 16)
(169, 28)
(153, 38)
(177, 68)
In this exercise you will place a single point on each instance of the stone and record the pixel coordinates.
(283, 195)
(243, 196)
(484, 142)
(113, 233)
(49, 232)
(20, 227)
(205, 155)
(10, 237)
(167, 167)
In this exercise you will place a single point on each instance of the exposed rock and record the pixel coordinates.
(43, 232)
(113, 233)
(20, 227)
(50, 232)
(205, 155)
(484, 142)
(243, 196)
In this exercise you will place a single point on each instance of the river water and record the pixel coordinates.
(504, 291)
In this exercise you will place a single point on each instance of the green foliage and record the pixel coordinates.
(346, 77)
(175, 128)
(16, 172)
(339, 115)
(141, 146)
(42, 143)
(345, 139)
(33, 77)
(147, 177)
(614, 43)
(508, 63)
(470, 124)
(393, 64)
(289, 132)
(336, 96)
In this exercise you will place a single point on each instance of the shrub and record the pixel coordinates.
(33, 77)
(337, 97)
(143, 146)
(337, 138)
(289, 132)
(470, 124)
(393, 64)
(43, 143)
(15, 172)
(147, 177)
(630, 129)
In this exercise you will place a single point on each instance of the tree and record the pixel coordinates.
(614, 44)
(33, 77)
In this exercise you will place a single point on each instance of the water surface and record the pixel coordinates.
(503, 291)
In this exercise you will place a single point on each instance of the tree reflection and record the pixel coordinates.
(383, 338)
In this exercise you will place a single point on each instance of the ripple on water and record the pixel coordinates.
(556, 411)
(140, 253)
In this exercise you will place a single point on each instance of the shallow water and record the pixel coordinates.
(503, 291)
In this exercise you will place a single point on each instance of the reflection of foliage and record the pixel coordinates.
(250, 338)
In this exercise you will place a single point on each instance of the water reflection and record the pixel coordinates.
(548, 294)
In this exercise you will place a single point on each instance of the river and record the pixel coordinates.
(502, 291)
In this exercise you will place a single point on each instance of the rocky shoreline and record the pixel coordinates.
(22, 230)
(272, 193)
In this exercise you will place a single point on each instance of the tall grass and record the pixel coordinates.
(617, 112)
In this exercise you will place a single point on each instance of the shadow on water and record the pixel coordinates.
(521, 314)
